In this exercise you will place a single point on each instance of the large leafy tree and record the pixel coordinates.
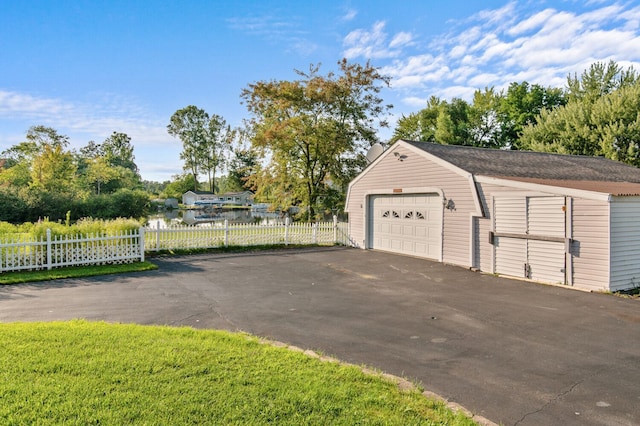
(189, 125)
(521, 105)
(205, 140)
(602, 117)
(421, 125)
(314, 131)
(118, 151)
(599, 80)
(219, 137)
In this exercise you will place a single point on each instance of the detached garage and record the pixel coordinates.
(550, 218)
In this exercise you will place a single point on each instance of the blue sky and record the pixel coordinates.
(88, 68)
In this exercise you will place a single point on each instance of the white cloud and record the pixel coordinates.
(513, 43)
(534, 22)
(415, 101)
(97, 119)
(373, 44)
(349, 15)
(401, 39)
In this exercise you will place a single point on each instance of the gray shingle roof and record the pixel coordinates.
(531, 165)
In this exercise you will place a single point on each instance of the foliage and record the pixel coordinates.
(313, 132)
(87, 226)
(242, 166)
(521, 105)
(179, 185)
(493, 120)
(205, 140)
(133, 374)
(41, 178)
(118, 152)
(602, 118)
(599, 80)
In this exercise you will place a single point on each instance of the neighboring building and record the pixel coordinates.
(206, 198)
(550, 218)
(243, 198)
(191, 198)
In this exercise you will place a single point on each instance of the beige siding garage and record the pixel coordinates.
(552, 218)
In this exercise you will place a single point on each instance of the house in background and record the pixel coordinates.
(192, 198)
(206, 198)
(560, 219)
(242, 198)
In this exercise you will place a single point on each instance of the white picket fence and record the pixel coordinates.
(58, 251)
(224, 234)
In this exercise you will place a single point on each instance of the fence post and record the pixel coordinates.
(314, 233)
(335, 229)
(226, 232)
(286, 231)
(141, 240)
(48, 249)
(157, 235)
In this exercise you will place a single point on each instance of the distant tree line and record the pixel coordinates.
(596, 114)
(42, 178)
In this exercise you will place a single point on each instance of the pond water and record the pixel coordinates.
(208, 216)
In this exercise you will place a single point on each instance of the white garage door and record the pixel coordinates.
(407, 224)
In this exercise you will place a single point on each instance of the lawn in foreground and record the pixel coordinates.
(80, 372)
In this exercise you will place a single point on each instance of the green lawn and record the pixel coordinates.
(82, 372)
(73, 272)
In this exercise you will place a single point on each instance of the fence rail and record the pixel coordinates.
(59, 251)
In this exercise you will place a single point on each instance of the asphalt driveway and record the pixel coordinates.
(514, 352)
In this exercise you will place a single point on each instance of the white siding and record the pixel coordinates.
(625, 243)
(510, 256)
(546, 216)
(525, 213)
(483, 250)
(546, 261)
(513, 214)
(590, 248)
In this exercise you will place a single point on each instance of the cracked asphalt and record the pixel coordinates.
(514, 352)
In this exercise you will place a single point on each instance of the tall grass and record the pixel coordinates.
(88, 226)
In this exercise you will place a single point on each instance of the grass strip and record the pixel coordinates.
(81, 372)
(73, 272)
(235, 249)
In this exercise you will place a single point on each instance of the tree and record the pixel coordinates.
(420, 126)
(602, 117)
(314, 131)
(43, 135)
(178, 186)
(188, 125)
(118, 151)
(599, 80)
(204, 141)
(521, 105)
(219, 137)
(99, 173)
(484, 125)
(53, 169)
